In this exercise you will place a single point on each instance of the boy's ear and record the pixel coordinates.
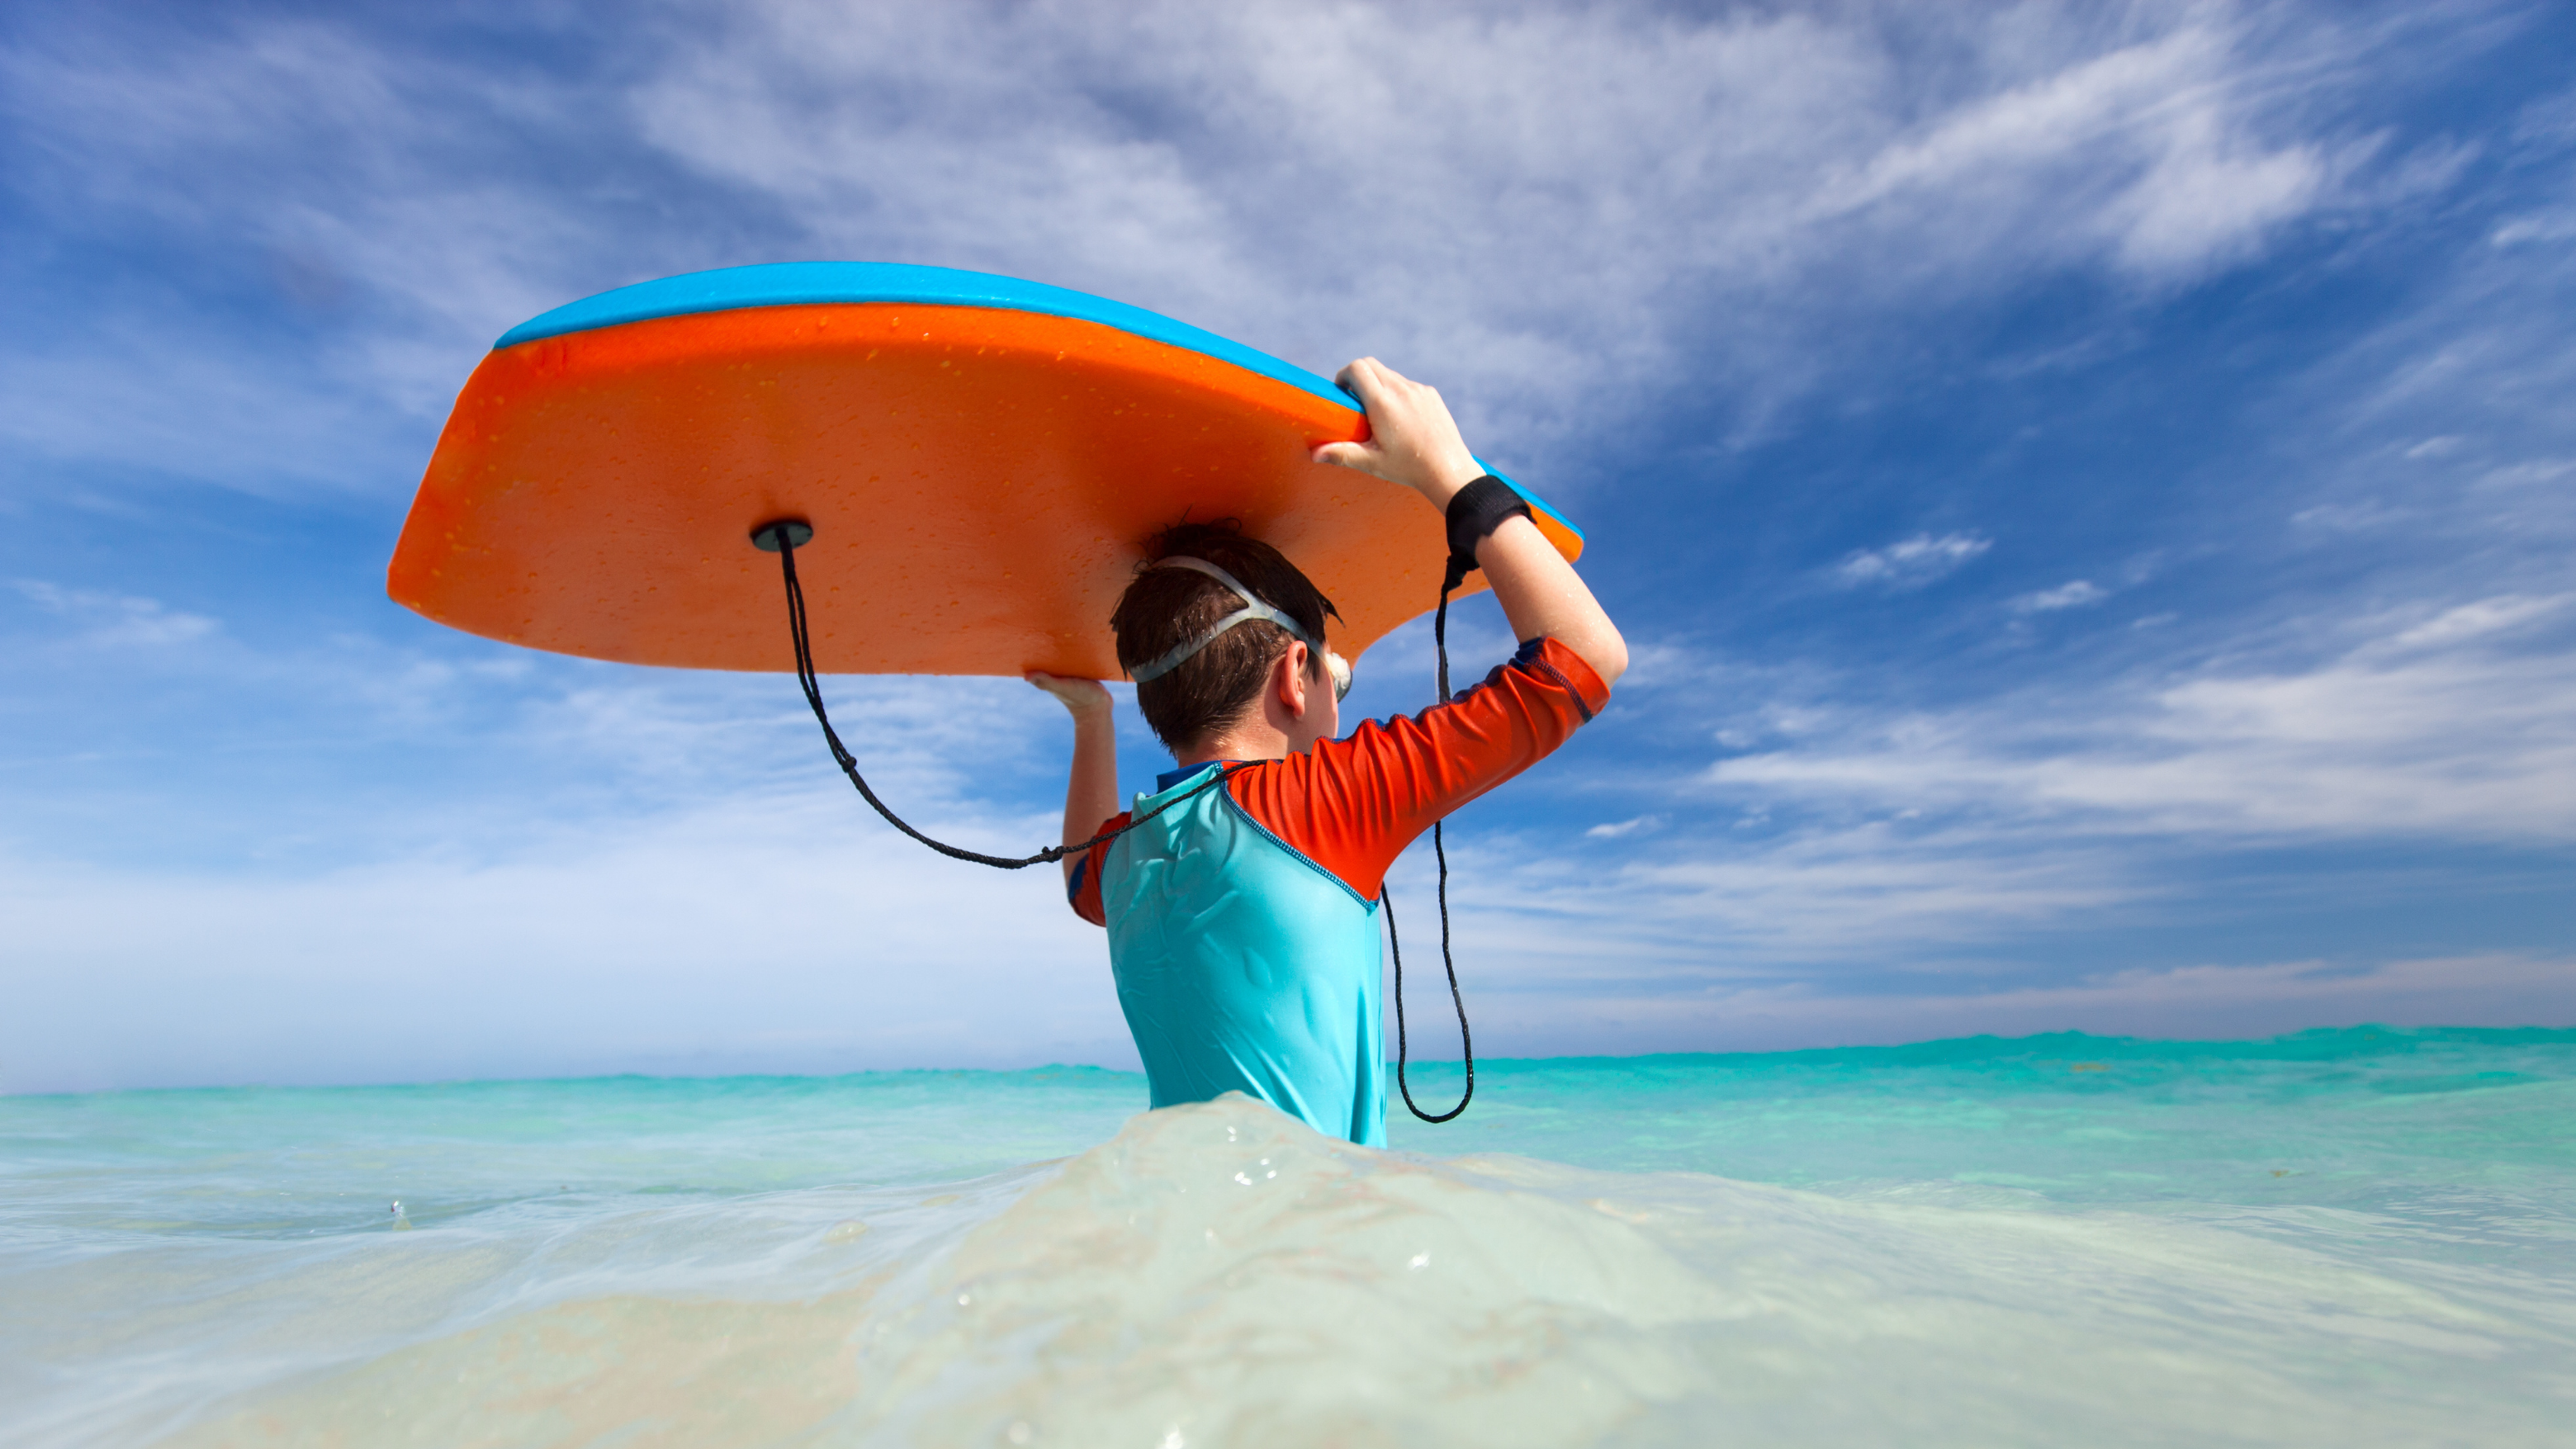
(1290, 674)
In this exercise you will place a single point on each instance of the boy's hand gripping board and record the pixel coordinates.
(982, 459)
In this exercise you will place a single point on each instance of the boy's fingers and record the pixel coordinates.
(1369, 378)
(1346, 455)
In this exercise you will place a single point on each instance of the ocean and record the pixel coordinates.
(2353, 1237)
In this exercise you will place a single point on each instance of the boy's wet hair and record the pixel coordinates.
(1165, 608)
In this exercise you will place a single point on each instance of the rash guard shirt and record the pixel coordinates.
(1243, 919)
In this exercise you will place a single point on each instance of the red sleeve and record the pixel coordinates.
(1083, 889)
(1353, 805)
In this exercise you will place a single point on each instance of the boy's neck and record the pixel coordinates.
(1295, 712)
(1253, 740)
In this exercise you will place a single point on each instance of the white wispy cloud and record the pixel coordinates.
(2215, 1000)
(2544, 226)
(1867, 897)
(2073, 594)
(1549, 220)
(776, 931)
(2147, 150)
(1917, 842)
(117, 619)
(1616, 183)
(2475, 620)
(2435, 728)
(1898, 930)
(1910, 563)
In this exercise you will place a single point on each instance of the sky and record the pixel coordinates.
(2089, 490)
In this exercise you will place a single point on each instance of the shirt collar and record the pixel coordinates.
(1170, 778)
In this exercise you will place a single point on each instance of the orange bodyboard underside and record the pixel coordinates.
(981, 481)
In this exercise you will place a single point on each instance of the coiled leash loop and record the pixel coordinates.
(783, 537)
(1475, 511)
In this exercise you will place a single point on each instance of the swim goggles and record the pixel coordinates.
(1252, 609)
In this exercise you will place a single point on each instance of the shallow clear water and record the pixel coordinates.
(2353, 1238)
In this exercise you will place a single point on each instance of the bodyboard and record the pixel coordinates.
(982, 461)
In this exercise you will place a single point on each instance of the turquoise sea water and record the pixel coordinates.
(2350, 1237)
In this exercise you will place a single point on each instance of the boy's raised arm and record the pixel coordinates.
(1414, 441)
(1091, 787)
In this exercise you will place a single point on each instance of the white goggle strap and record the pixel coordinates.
(1252, 609)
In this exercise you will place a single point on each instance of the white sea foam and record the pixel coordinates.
(1220, 1275)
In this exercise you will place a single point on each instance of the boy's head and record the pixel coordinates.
(1167, 607)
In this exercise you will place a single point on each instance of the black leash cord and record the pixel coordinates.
(850, 765)
(1440, 850)
(813, 687)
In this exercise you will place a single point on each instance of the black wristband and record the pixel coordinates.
(1475, 511)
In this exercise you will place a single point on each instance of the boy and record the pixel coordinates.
(1243, 918)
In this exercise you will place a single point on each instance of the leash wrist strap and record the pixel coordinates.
(1475, 511)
